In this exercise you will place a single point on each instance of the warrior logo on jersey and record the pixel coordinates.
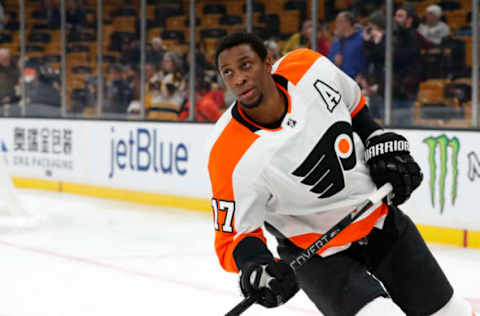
(323, 168)
(330, 96)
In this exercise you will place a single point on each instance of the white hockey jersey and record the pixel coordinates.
(300, 178)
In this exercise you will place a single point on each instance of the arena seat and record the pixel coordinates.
(456, 19)
(178, 35)
(5, 38)
(175, 22)
(124, 23)
(272, 7)
(443, 103)
(290, 22)
(39, 37)
(231, 20)
(235, 8)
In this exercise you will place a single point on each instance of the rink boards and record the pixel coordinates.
(165, 164)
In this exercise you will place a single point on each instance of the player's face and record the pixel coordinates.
(244, 74)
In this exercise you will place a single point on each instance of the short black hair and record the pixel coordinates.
(239, 38)
(410, 9)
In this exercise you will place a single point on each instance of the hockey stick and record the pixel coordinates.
(309, 252)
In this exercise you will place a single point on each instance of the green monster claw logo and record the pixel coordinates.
(443, 143)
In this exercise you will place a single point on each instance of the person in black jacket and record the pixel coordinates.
(406, 64)
(372, 80)
(119, 93)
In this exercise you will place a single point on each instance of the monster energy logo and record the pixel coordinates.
(443, 143)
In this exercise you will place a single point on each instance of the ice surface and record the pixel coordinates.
(98, 257)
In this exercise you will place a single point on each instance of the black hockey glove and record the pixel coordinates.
(271, 284)
(389, 159)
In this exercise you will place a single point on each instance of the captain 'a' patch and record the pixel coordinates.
(330, 96)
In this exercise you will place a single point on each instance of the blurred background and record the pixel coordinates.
(415, 60)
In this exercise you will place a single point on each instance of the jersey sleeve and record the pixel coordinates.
(295, 65)
(238, 199)
(350, 91)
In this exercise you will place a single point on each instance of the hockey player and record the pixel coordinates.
(296, 152)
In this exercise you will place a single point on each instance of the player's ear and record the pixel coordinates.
(269, 63)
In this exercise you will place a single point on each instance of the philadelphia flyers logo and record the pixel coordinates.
(323, 168)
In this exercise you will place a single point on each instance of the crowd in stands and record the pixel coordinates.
(429, 47)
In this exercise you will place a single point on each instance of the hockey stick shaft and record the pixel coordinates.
(310, 251)
(242, 306)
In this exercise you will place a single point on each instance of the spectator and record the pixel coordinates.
(171, 63)
(42, 90)
(372, 80)
(3, 17)
(434, 30)
(406, 64)
(272, 49)
(209, 103)
(299, 39)
(323, 39)
(9, 79)
(76, 17)
(163, 97)
(347, 51)
(118, 91)
(171, 66)
(201, 63)
(91, 86)
(150, 70)
(166, 88)
(303, 39)
(155, 54)
(131, 53)
(132, 75)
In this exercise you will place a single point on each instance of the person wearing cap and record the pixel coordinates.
(434, 30)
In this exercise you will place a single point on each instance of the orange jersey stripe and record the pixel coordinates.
(294, 65)
(224, 157)
(359, 106)
(353, 232)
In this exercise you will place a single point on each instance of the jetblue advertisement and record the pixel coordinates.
(154, 157)
(144, 151)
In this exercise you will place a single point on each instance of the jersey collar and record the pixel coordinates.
(240, 116)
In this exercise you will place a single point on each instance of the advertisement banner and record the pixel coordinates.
(450, 161)
(41, 148)
(165, 158)
(170, 158)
